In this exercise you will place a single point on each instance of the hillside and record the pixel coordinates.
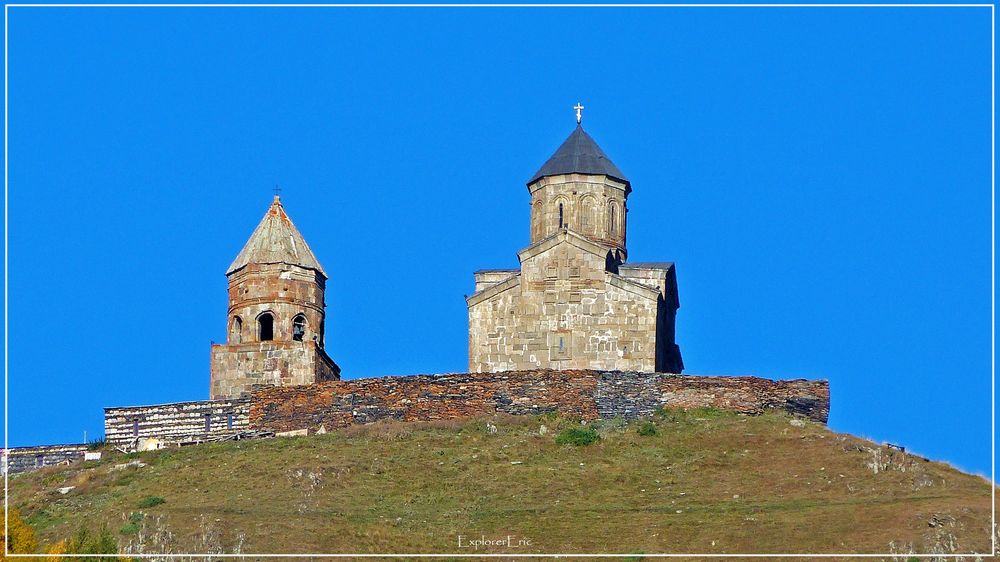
(705, 481)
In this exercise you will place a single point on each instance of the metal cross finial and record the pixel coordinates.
(277, 190)
(579, 112)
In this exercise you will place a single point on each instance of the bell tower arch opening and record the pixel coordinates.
(299, 327)
(265, 327)
(236, 330)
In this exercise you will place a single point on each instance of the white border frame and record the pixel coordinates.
(992, 8)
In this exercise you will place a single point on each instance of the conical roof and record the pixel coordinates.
(276, 240)
(579, 154)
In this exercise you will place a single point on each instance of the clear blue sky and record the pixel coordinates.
(821, 177)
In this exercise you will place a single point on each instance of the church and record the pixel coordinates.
(575, 302)
(576, 329)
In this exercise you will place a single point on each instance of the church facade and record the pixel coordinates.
(575, 302)
(276, 316)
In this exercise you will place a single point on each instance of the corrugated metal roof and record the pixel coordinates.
(276, 240)
(579, 154)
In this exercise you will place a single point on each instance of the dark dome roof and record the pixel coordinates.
(579, 154)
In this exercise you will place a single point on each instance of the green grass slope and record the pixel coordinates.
(687, 482)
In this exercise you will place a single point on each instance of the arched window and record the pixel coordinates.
(265, 327)
(560, 218)
(299, 328)
(536, 221)
(612, 219)
(588, 222)
(236, 330)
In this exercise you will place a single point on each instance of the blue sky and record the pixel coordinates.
(821, 177)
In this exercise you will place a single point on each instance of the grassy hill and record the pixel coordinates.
(701, 481)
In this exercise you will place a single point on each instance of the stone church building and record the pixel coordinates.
(589, 333)
(575, 303)
(277, 310)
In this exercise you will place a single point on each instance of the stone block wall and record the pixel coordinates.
(236, 369)
(176, 422)
(283, 290)
(566, 311)
(594, 206)
(588, 394)
(24, 459)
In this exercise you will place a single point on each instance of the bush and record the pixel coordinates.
(647, 429)
(96, 444)
(150, 501)
(86, 543)
(20, 537)
(578, 436)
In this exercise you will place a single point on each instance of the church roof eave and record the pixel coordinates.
(579, 154)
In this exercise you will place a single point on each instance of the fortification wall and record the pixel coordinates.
(588, 394)
(23, 459)
(176, 422)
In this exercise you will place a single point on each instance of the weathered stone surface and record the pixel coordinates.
(236, 369)
(565, 310)
(588, 394)
(593, 205)
(276, 314)
(574, 303)
(23, 459)
(173, 423)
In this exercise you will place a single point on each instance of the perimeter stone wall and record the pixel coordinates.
(176, 422)
(588, 394)
(24, 459)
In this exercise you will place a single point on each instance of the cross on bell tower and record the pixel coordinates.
(579, 112)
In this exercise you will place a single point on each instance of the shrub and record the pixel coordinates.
(578, 436)
(20, 537)
(86, 543)
(129, 528)
(150, 501)
(96, 444)
(647, 429)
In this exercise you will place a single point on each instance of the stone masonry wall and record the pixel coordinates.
(565, 311)
(236, 369)
(176, 422)
(588, 394)
(24, 459)
(283, 290)
(587, 202)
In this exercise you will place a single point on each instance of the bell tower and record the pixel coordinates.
(276, 315)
